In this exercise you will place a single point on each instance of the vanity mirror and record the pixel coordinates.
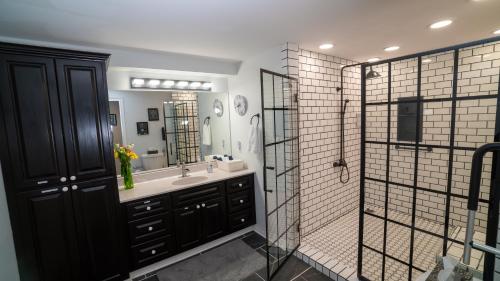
(182, 126)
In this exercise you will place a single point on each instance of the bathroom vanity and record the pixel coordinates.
(163, 218)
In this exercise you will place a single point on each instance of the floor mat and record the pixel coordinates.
(229, 262)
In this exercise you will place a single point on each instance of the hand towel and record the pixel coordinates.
(207, 134)
(254, 139)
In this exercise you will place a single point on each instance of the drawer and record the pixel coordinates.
(149, 228)
(241, 220)
(153, 251)
(147, 207)
(239, 184)
(239, 201)
(195, 194)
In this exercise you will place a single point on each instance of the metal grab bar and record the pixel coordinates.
(473, 201)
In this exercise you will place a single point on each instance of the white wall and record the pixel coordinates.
(247, 83)
(8, 262)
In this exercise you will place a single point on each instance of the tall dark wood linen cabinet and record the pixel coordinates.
(57, 160)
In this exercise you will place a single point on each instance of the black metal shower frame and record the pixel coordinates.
(295, 149)
(493, 201)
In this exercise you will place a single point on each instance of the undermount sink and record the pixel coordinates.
(189, 180)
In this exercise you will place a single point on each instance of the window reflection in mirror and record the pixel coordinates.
(168, 127)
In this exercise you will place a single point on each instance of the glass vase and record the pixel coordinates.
(126, 172)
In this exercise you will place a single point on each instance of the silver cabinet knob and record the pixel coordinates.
(241, 201)
(63, 179)
(64, 189)
(148, 208)
(242, 220)
(197, 206)
(153, 252)
(203, 205)
(74, 187)
(240, 185)
(150, 228)
(72, 178)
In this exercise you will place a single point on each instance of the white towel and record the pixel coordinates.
(207, 134)
(254, 139)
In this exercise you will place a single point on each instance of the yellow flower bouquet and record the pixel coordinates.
(125, 154)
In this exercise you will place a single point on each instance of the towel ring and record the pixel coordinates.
(258, 119)
(206, 121)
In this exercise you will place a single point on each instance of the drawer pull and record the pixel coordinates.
(49, 190)
(153, 252)
(150, 228)
(63, 179)
(240, 185)
(242, 201)
(148, 208)
(203, 205)
(242, 220)
(72, 178)
(197, 206)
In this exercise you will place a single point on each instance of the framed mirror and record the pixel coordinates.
(182, 126)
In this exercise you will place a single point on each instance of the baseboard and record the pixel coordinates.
(187, 254)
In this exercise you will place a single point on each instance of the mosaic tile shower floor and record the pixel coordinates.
(333, 248)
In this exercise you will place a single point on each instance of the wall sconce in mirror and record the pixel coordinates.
(169, 84)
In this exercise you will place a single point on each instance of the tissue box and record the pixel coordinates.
(231, 165)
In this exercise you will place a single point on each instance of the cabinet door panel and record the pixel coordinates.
(188, 231)
(96, 213)
(30, 107)
(84, 98)
(46, 235)
(214, 218)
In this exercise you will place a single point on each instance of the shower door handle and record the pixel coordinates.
(473, 201)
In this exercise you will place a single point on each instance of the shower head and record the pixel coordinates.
(372, 74)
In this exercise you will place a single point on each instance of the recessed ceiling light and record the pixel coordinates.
(441, 24)
(373, 59)
(136, 82)
(427, 60)
(182, 84)
(153, 83)
(391, 48)
(497, 32)
(326, 46)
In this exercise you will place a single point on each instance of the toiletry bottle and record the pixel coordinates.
(210, 167)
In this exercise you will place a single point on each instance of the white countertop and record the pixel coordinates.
(164, 185)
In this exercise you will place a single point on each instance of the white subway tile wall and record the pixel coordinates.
(323, 197)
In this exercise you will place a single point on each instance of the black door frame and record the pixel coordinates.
(493, 210)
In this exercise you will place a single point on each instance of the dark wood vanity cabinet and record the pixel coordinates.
(57, 164)
(187, 218)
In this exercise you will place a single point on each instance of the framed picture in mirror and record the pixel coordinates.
(153, 114)
(142, 128)
(112, 119)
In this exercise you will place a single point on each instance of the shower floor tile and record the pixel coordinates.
(336, 245)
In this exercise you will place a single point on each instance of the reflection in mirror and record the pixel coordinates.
(170, 127)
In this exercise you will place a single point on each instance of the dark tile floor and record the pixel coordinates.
(292, 269)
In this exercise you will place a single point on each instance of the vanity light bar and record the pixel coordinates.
(169, 84)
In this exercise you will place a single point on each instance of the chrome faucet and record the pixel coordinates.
(184, 170)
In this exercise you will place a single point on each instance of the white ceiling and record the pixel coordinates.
(238, 29)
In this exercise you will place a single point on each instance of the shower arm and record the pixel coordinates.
(473, 201)
(341, 162)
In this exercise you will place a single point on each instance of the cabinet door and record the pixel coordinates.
(214, 218)
(96, 214)
(84, 100)
(30, 110)
(188, 231)
(45, 236)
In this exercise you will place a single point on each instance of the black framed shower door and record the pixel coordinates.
(413, 194)
(280, 120)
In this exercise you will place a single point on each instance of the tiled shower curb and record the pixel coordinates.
(326, 264)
